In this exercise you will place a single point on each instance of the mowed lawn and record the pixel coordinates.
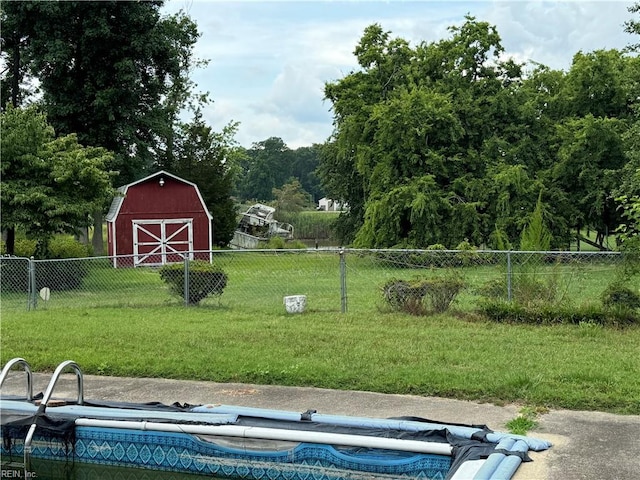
(457, 356)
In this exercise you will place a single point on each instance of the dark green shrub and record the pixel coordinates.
(510, 312)
(60, 275)
(274, 243)
(405, 296)
(24, 247)
(442, 291)
(526, 289)
(205, 280)
(67, 247)
(495, 289)
(408, 296)
(466, 255)
(630, 257)
(502, 311)
(619, 296)
(60, 246)
(62, 271)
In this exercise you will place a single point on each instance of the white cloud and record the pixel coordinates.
(269, 61)
(552, 32)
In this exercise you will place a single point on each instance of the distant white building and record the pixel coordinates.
(329, 205)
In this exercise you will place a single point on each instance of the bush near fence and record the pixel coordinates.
(332, 279)
(194, 283)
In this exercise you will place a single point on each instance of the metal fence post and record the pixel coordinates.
(343, 282)
(32, 293)
(509, 272)
(186, 280)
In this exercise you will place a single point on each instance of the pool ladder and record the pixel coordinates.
(27, 369)
(68, 364)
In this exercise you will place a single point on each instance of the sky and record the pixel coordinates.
(269, 60)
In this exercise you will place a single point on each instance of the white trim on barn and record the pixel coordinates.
(162, 244)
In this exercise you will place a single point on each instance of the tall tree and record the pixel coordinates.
(14, 43)
(382, 61)
(305, 161)
(268, 167)
(629, 189)
(590, 159)
(13, 87)
(290, 199)
(595, 85)
(113, 72)
(414, 119)
(204, 157)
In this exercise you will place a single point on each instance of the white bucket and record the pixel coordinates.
(295, 303)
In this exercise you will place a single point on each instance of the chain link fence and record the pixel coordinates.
(333, 280)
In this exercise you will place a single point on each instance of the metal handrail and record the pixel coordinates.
(45, 399)
(27, 369)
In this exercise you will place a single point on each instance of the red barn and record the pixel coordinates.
(156, 220)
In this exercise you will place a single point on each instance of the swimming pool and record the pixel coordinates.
(229, 441)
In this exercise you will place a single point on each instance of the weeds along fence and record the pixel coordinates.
(333, 280)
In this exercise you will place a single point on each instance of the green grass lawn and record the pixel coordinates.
(575, 367)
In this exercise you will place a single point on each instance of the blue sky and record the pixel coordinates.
(269, 61)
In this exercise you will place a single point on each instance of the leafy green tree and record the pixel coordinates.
(305, 161)
(417, 119)
(291, 199)
(630, 205)
(383, 62)
(13, 88)
(14, 42)
(628, 191)
(391, 219)
(49, 185)
(595, 85)
(590, 159)
(201, 156)
(268, 167)
(507, 195)
(343, 183)
(450, 129)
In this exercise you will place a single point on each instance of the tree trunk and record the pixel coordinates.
(15, 81)
(97, 241)
(10, 241)
(82, 235)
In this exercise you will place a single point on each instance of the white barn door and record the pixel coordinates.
(158, 242)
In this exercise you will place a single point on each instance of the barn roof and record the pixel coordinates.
(118, 200)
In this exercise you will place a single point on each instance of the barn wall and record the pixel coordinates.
(150, 201)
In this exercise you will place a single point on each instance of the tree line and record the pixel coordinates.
(439, 143)
(447, 141)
